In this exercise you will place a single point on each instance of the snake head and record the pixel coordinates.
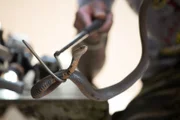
(77, 53)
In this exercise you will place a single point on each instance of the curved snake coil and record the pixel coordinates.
(50, 82)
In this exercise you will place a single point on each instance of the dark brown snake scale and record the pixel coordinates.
(49, 83)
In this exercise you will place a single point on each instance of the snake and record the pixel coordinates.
(49, 83)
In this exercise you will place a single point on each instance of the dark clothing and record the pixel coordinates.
(160, 95)
(158, 100)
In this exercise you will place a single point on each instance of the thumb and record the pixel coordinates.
(99, 9)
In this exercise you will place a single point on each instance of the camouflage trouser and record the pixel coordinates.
(158, 100)
(62, 109)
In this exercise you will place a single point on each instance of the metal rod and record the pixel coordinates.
(39, 59)
(14, 86)
(79, 38)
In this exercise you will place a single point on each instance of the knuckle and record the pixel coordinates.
(75, 24)
(79, 12)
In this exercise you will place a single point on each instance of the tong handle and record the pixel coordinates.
(94, 26)
(14, 86)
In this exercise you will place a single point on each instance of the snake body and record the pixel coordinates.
(50, 82)
(109, 92)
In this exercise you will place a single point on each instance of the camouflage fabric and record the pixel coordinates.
(59, 109)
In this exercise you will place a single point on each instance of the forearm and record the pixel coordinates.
(108, 3)
(93, 60)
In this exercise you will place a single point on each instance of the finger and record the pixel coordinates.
(108, 23)
(85, 14)
(99, 10)
(78, 24)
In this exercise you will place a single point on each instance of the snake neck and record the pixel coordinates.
(71, 68)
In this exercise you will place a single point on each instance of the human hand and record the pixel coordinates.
(94, 10)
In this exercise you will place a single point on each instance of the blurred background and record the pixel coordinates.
(48, 26)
